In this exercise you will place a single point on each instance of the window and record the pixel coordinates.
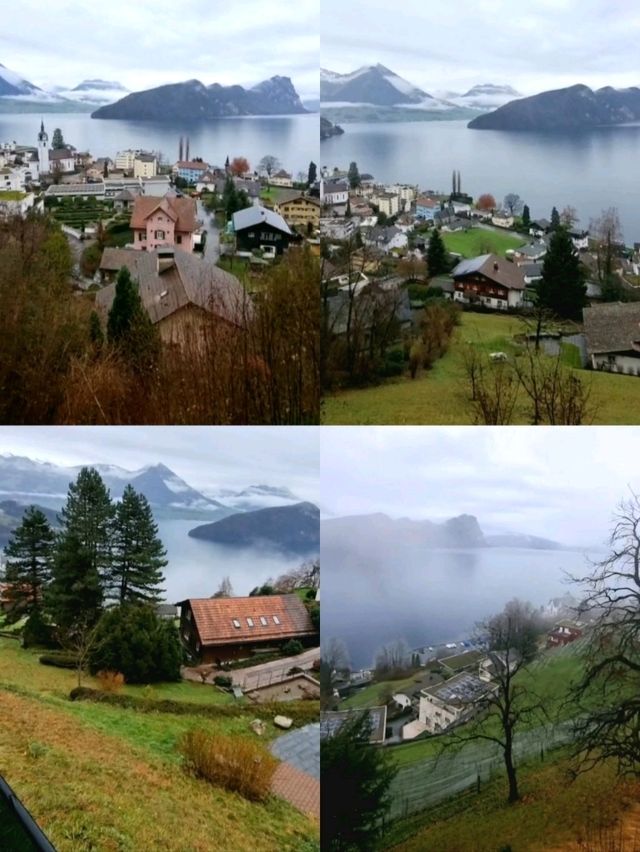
(236, 623)
(263, 621)
(179, 239)
(276, 620)
(250, 622)
(188, 616)
(140, 236)
(159, 235)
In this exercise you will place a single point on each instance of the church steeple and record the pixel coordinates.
(42, 136)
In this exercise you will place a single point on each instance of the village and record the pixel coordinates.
(394, 256)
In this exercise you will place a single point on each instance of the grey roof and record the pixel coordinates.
(190, 280)
(531, 270)
(613, 327)
(300, 748)
(332, 720)
(335, 186)
(532, 250)
(494, 268)
(252, 216)
(461, 689)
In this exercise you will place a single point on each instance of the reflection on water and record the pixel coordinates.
(429, 596)
(589, 170)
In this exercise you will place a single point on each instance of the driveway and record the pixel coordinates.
(259, 675)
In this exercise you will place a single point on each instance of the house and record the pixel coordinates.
(17, 203)
(532, 272)
(503, 219)
(167, 611)
(180, 291)
(489, 280)
(539, 227)
(299, 211)
(332, 720)
(466, 661)
(452, 702)
(75, 190)
(258, 228)
(190, 170)
(580, 240)
(61, 161)
(124, 200)
(387, 203)
(281, 178)
(427, 207)
(145, 166)
(338, 229)
(216, 630)
(612, 333)
(532, 253)
(386, 238)
(125, 159)
(563, 633)
(164, 221)
(334, 192)
(207, 182)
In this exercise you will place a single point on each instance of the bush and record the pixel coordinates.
(235, 763)
(223, 680)
(37, 632)
(133, 640)
(61, 659)
(292, 648)
(313, 608)
(110, 681)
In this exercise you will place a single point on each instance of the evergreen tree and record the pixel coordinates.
(96, 335)
(29, 558)
(138, 555)
(57, 140)
(347, 212)
(555, 219)
(437, 261)
(526, 216)
(105, 169)
(354, 175)
(75, 592)
(562, 289)
(312, 173)
(226, 164)
(88, 516)
(130, 326)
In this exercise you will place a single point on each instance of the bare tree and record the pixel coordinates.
(392, 660)
(558, 395)
(494, 389)
(334, 663)
(606, 233)
(80, 639)
(569, 217)
(513, 203)
(225, 589)
(269, 164)
(607, 697)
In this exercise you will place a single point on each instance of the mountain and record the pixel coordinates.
(293, 529)
(192, 100)
(486, 96)
(95, 92)
(13, 85)
(11, 513)
(254, 497)
(462, 531)
(19, 95)
(327, 129)
(26, 481)
(572, 108)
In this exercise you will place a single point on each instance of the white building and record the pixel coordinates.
(451, 702)
(145, 166)
(125, 160)
(333, 192)
(12, 206)
(43, 150)
(387, 203)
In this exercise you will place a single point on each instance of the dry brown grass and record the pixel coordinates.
(110, 681)
(234, 763)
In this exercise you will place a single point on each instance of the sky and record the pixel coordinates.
(442, 47)
(561, 483)
(205, 457)
(143, 45)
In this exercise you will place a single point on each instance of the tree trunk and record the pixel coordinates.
(514, 792)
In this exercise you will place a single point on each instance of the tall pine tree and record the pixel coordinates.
(130, 326)
(29, 558)
(312, 173)
(88, 516)
(555, 219)
(562, 289)
(437, 261)
(75, 594)
(138, 554)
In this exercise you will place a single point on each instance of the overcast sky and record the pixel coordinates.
(561, 483)
(449, 47)
(142, 45)
(208, 458)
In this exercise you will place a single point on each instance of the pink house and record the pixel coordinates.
(167, 221)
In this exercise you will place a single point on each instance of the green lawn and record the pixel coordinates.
(12, 195)
(440, 396)
(480, 241)
(370, 696)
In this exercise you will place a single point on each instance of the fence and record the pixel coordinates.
(252, 680)
(427, 783)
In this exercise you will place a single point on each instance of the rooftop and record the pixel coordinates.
(252, 216)
(494, 268)
(462, 688)
(181, 210)
(613, 327)
(332, 720)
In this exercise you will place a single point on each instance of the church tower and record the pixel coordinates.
(43, 150)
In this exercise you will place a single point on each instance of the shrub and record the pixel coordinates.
(110, 681)
(313, 608)
(135, 641)
(61, 659)
(235, 763)
(292, 648)
(223, 680)
(37, 632)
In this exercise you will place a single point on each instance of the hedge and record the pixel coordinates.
(61, 660)
(301, 712)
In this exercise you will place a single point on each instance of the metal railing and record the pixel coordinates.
(19, 832)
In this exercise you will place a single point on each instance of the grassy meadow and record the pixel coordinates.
(102, 777)
(479, 241)
(440, 396)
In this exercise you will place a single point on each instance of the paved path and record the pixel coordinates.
(298, 788)
(261, 674)
(297, 778)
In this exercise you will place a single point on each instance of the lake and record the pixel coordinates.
(590, 170)
(196, 567)
(293, 139)
(371, 596)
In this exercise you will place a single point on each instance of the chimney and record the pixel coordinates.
(166, 260)
(495, 265)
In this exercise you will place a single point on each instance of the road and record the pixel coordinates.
(212, 245)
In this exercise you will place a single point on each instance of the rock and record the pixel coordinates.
(283, 722)
(258, 727)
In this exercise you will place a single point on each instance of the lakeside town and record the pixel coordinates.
(404, 265)
(209, 248)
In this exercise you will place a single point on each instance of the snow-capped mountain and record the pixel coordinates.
(373, 85)
(13, 85)
(255, 497)
(94, 92)
(486, 96)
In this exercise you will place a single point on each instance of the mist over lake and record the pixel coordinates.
(375, 595)
(293, 139)
(196, 567)
(590, 169)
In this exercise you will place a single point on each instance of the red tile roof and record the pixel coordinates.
(181, 210)
(222, 621)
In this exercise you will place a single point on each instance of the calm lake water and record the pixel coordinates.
(293, 139)
(370, 597)
(196, 567)
(589, 170)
